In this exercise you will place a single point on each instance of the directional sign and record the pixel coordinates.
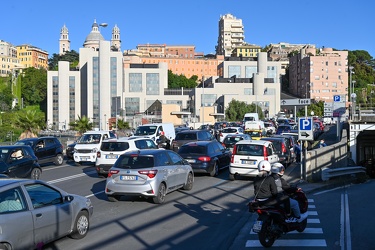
(295, 102)
(305, 129)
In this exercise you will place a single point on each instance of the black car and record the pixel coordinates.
(282, 149)
(206, 156)
(189, 136)
(231, 139)
(48, 149)
(19, 161)
(69, 151)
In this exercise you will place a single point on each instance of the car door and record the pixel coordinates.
(50, 149)
(19, 167)
(221, 154)
(40, 151)
(52, 216)
(272, 156)
(177, 163)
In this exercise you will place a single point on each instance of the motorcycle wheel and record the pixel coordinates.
(266, 238)
(302, 226)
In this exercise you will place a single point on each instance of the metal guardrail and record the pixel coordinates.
(334, 172)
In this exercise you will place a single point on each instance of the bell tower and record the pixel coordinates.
(115, 41)
(64, 40)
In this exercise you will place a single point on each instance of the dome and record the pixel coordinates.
(94, 35)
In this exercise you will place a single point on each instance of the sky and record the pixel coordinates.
(339, 24)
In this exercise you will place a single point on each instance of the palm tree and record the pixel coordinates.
(121, 124)
(82, 124)
(30, 121)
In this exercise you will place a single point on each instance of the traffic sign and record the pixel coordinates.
(295, 102)
(336, 98)
(305, 129)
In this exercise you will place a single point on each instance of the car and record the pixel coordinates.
(48, 149)
(19, 161)
(246, 156)
(189, 136)
(270, 128)
(69, 151)
(206, 156)
(35, 213)
(285, 128)
(231, 139)
(180, 128)
(230, 130)
(283, 151)
(207, 127)
(150, 173)
(111, 149)
(255, 134)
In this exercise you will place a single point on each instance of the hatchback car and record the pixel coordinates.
(189, 136)
(246, 156)
(230, 130)
(230, 140)
(111, 149)
(206, 156)
(149, 173)
(35, 213)
(19, 161)
(48, 149)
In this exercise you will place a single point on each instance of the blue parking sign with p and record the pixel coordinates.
(336, 98)
(305, 124)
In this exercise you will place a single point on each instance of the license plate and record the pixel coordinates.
(85, 158)
(191, 160)
(257, 226)
(111, 156)
(248, 162)
(128, 177)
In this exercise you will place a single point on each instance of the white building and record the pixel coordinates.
(231, 34)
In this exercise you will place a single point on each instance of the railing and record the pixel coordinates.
(329, 173)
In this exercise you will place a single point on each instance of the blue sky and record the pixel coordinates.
(339, 24)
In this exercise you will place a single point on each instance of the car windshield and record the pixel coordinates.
(27, 143)
(229, 130)
(114, 146)
(232, 140)
(134, 162)
(192, 149)
(186, 136)
(90, 139)
(145, 130)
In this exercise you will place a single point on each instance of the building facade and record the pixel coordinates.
(31, 56)
(231, 35)
(9, 63)
(319, 75)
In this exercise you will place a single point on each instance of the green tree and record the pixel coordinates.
(82, 124)
(30, 121)
(317, 108)
(237, 109)
(34, 86)
(179, 81)
(121, 124)
(6, 96)
(70, 56)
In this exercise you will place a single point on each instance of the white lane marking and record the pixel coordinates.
(52, 168)
(313, 221)
(345, 223)
(312, 213)
(311, 206)
(326, 191)
(290, 243)
(71, 177)
(90, 195)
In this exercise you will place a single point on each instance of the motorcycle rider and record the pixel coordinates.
(284, 189)
(265, 188)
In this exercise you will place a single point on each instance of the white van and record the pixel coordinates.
(255, 125)
(89, 144)
(250, 117)
(153, 131)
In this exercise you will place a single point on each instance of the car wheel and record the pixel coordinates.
(36, 173)
(160, 195)
(189, 182)
(5, 246)
(59, 159)
(231, 177)
(113, 198)
(215, 170)
(81, 226)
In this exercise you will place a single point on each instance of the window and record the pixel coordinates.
(12, 200)
(42, 196)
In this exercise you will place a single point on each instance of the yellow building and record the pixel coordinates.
(31, 56)
(246, 51)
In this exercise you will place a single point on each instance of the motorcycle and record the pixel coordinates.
(271, 224)
(165, 145)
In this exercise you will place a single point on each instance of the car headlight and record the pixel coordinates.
(94, 150)
(88, 202)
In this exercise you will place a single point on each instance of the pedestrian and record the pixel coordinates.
(322, 144)
(297, 151)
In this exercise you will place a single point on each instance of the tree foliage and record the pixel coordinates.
(30, 121)
(70, 56)
(317, 108)
(6, 96)
(34, 86)
(180, 81)
(82, 124)
(237, 109)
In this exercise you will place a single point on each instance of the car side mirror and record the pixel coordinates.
(68, 198)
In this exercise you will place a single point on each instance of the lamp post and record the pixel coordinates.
(351, 85)
(105, 121)
(203, 83)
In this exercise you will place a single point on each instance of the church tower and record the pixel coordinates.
(115, 41)
(64, 40)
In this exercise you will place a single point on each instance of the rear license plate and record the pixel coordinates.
(111, 156)
(257, 226)
(191, 160)
(248, 162)
(84, 158)
(128, 177)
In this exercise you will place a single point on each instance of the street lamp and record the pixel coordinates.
(353, 97)
(350, 81)
(203, 82)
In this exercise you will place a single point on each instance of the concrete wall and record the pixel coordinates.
(331, 156)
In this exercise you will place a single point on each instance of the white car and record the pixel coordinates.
(111, 149)
(270, 128)
(230, 130)
(247, 154)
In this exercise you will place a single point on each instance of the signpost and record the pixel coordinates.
(295, 102)
(305, 129)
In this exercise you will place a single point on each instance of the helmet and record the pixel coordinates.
(264, 166)
(277, 168)
(162, 133)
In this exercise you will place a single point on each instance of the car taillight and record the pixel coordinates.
(265, 153)
(98, 154)
(150, 173)
(233, 153)
(204, 158)
(112, 172)
(283, 148)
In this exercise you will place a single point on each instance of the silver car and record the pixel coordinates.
(149, 173)
(34, 213)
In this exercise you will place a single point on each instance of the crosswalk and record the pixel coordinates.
(312, 236)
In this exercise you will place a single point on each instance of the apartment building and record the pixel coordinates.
(31, 56)
(9, 63)
(319, 75)
(231, 35)
(246, 50)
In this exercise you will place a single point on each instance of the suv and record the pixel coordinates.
(190, 136)
(246, 156)
(111, 149)
(48, 149)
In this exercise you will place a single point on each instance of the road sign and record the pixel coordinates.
(336, 98)
(305, 129)
(295, 102)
